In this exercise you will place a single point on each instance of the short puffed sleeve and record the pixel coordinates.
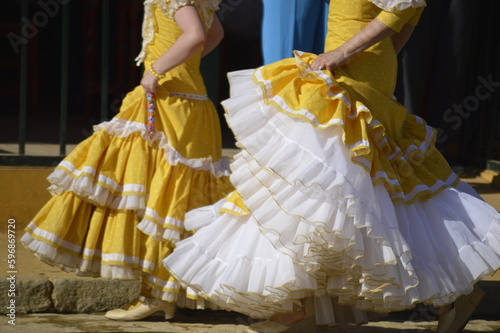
(206, 8)
(396, 18)
(169, 7)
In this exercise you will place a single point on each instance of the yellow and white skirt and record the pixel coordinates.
(119, 199)
(335, 197)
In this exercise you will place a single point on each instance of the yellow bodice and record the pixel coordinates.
(185, 78)
(377, 65)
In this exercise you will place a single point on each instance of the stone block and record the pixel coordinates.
(27, 293)
(92, 295)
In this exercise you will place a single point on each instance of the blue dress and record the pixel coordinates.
(289, 25)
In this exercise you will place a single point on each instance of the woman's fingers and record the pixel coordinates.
(329, 61)
(318, 65)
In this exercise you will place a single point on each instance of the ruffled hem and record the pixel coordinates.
(122, 128)
(92, 263)
(97, 169)
(162, 228)
(235, 264)
(68, 262)
(153, 206)
(97, 189)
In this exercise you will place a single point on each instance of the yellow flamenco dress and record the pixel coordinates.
(340, 193)
(120, 197)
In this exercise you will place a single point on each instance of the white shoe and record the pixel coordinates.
(456, 319)
(307, 324)
(142, 308)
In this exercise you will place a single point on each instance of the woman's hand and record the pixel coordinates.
(330, 60)
(149, 82)
(374, 32)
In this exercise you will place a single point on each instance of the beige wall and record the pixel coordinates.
(23, 191)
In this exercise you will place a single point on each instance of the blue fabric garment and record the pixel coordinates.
(289, 25)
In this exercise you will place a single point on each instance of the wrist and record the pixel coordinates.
(347, 50)
(152, 70)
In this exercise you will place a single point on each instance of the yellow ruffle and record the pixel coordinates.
(392, 145)
(108, 185)
(98, 241)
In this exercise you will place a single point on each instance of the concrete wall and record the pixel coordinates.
(23, 191)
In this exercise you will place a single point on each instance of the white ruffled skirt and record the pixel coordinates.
(316, 224)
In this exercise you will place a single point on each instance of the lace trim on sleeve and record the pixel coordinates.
(148, 29)
(208, 8)
(169, 7)
(390, 5)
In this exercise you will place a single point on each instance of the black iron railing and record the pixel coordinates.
(479, 138)
(61, 9)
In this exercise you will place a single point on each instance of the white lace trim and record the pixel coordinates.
(148, 29)
(77, 264)
(189, 96)
(206, 8)
(391, 5)
(156, 226)
(122, 128)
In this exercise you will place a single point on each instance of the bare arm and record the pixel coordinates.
(374, 32)
(191, 40)
(399, 39)
(214, 36)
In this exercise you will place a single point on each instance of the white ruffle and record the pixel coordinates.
(152, 225)
(205, 7)
(232, 262)
(194, 223)
(123, 128)
(169, 7)
(260, 128)
(73, 263)
(101, 190)
(391, 5)
(319, 225)
(67, 178)
(86, 184)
